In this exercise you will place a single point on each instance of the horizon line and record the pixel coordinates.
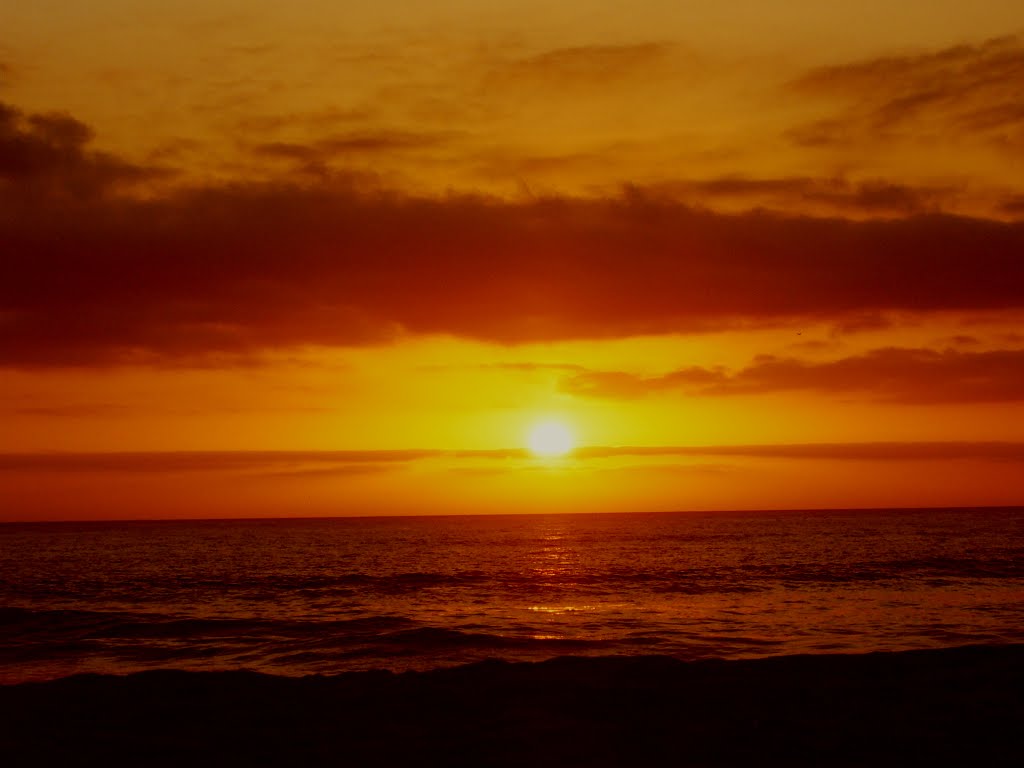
(432, 515)
(193, 459)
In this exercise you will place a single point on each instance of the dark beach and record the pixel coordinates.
(957, 706)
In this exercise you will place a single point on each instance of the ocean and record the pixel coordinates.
(300, 596)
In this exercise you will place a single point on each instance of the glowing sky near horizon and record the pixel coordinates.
(374, 227)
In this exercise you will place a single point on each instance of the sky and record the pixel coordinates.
(339, 258)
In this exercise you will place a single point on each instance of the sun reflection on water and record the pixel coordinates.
(561, 609)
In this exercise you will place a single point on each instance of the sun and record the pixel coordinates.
(550, 439)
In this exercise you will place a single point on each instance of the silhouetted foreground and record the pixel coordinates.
(961, 706)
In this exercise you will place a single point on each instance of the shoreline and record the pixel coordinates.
(951, 706)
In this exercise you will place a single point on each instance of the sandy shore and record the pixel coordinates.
(961, 706)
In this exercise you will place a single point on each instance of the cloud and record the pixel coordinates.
(964, 340)
(868, 197)
(619, 384)
(891, 375)
(240, 269)
(317, 120)
(1014, 206)
(502, 164)
(364, 143)
(72, 411)
(48, 154)
(888, 451)
(91, 276)
(589, 65)
(862, 322)
(967, 90)
(312, 463)
(262, 462)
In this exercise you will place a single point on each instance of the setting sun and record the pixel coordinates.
(550, 439)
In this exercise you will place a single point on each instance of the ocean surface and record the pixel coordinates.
(295, 597)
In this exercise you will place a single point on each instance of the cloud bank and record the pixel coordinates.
(92, 276)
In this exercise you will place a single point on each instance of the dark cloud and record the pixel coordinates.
(967, 90)
(244, 268)
(309, 463)
(49, 154)
(834, 195)
(889, 375)
(862, 322)
(1014, 205)
(965, 340)
(354, 143)
(815, 345)
(501, 164)
(288, 150)
(226, 273)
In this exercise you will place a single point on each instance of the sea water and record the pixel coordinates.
(303, 596)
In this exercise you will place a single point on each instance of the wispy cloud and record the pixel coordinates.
(835, 196)
(366, 142)
(589, 65)
(900, 375)
(967, 90)
(325, 463)
(259, 462)
(876, 451)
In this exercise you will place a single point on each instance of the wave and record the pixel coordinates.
(16, 621)
(28, 633)
(699, 579)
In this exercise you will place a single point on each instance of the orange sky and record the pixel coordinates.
(321, 258)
